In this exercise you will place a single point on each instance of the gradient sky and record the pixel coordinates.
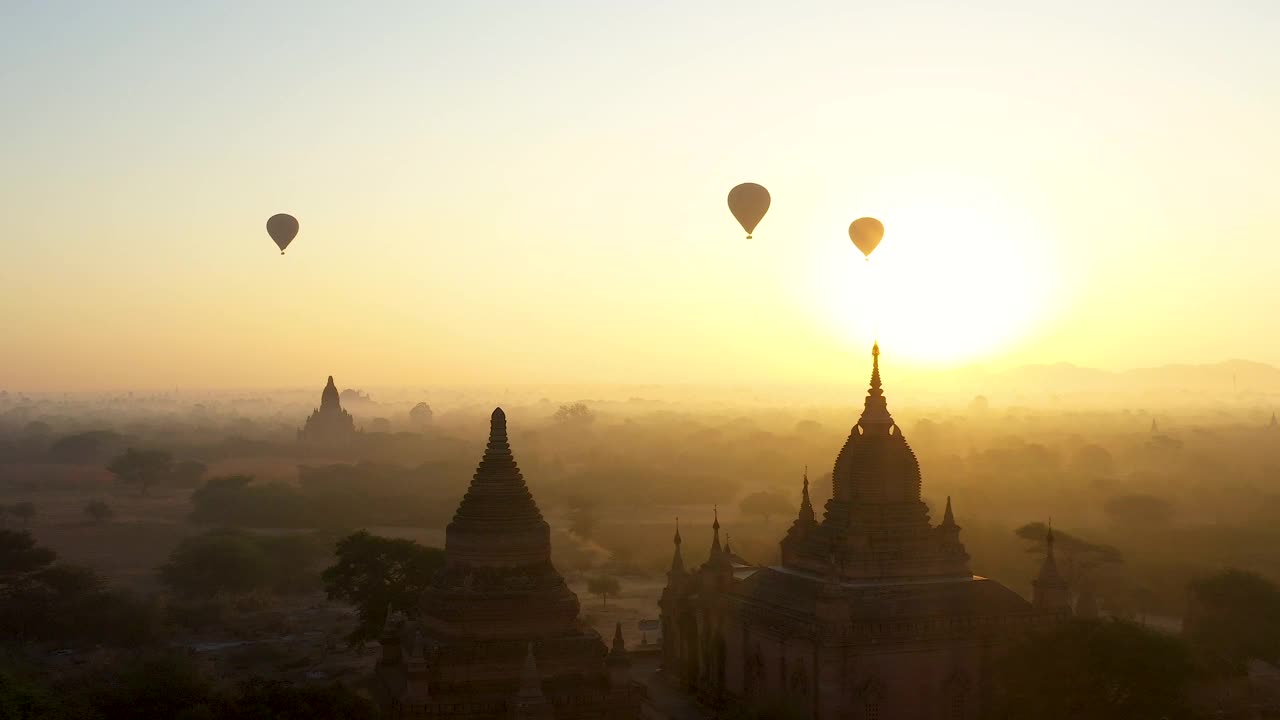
(534, 191)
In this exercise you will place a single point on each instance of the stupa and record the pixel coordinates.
(501, 632)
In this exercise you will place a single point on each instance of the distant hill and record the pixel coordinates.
(1225, 378)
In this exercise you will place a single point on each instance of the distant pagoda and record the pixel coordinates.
(502, 637)
(329, 424)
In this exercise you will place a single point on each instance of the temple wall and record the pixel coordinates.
(932, 680)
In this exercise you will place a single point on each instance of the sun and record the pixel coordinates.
(950, 283)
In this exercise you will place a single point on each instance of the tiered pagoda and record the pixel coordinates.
(328, 424)
(501, 636)
(873, 612)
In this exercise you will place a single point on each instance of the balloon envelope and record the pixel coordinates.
(866, 233)
(283, 229)
(748, 202)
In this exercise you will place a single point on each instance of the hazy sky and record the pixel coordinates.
(535, 191)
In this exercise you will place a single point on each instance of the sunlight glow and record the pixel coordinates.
(950, 283)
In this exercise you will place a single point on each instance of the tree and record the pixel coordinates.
(604, 586)
(1095, 670)
(576, 415)
(1077, 558)
(220, 561)
(765, 505)
(420, 416)
(1139, 510)
(378, 574)
(24, 511)
(260, 699)
(143, 468)
(150, 686)
(188, 473)
(98, 511)
(19, 558)
(47, 602)
(1092, 460)
(582, 517)
(84, 448)
(1232, 617)
(22, 699)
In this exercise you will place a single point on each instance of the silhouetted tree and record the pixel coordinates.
(19, 557)
(1232, 617)
(188, 473)
(420, 416)
(23, 699)
(1139, 511)
(150, 686)
(575, 414)
(220, 561)
(44, 601)
(582, 517)
(765, 505)
(87, 447)
(143, 468)
(604, 586)
(1092, 460)
(1076, 556)
(98, 511)
(1095, 670)
(260, 699)
(808, 427)
(24, 511)
(376, 574)
(37, 428)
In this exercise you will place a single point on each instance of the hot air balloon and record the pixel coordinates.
(282, 228)
(866, 234)
(749, 202)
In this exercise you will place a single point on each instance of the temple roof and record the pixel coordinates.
(329, 397)
(498, 582)
(875, 520)
(498, 522)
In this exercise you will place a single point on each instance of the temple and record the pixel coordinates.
(328, 424)
(499, 634)
(872, 613)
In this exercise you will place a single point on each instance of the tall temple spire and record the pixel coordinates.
(875, 412)
(619, 661)
(716, 550)
(329, 397)
(677, 560)
(875, 370)
(619, 646)
(948, 519)
(1050, 590)
(806, 505)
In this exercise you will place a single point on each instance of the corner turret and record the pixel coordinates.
(1050, 590)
